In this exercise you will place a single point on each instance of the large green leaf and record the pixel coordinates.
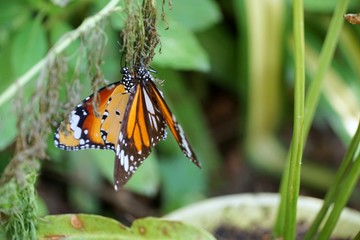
(28, 47)
(325, 6)
(87, 174)
(183, 183)
(180, 49)
(82, 226)
(6, 73)
(12, 14)
(194, 15)
(145, 181)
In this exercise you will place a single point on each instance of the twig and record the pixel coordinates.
(60, 46)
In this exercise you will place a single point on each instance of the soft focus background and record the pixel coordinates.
(228, 74)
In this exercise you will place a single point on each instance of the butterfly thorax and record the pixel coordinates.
(131, 79)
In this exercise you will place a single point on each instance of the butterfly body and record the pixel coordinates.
(132, 118)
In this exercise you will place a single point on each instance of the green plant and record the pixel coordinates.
(45, 85)
(88, 41)
(264, 102)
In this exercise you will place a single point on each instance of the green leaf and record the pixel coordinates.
(183, 183)
(145, 181)
(57, 31)
(6, 72)
(8, 129)
(104, 161)
(5, 156)
(221, 58)
(325, 6)
(7, 114)
(184, 102)
(194, 15)
(82, 226)
(87, 174)
(41, 208)
(28, 47)
(12, 12)
(180, 49)
(2, 233)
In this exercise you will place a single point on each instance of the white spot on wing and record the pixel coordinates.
(153, 120)
(117, 149)
(184, 142)
(126, 163)
(120, 136)
(149, 104)
(74, 121)
(121, 157)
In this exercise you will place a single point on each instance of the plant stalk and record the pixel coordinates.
(298, 134)
(60, 46)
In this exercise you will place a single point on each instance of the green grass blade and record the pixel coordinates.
(343, 194)
(327, 52)
(339, 184)
(297, 140)
(312, 100)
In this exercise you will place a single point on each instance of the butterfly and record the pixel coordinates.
(130, 118)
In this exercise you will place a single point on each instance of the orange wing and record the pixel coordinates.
(133, 119)
(144, 125)
(83, 129)
(143, 128)
(174, 126)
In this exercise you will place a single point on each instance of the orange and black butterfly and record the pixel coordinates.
(132, 118)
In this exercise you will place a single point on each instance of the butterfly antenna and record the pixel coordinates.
(152, 70)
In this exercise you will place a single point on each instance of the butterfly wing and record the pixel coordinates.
(174, 126)
(132, 118)
(142, 129)
(82, 130)
(113, 116)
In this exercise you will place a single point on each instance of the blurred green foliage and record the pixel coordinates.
(205, 48)
(24, 40)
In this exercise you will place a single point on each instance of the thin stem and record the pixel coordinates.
(344, 192)
(297, 140)
(312, 100)
(60, 46)
(339, 181)
(327, 52)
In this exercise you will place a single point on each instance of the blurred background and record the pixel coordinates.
(228, 74)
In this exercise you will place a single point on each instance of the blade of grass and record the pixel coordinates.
(297, 145)
(343, 195)
(334, 190)
(327, 52)
(312, 100)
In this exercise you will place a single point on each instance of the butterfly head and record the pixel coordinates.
(128, 79)
(140, 74)
(143, 74)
